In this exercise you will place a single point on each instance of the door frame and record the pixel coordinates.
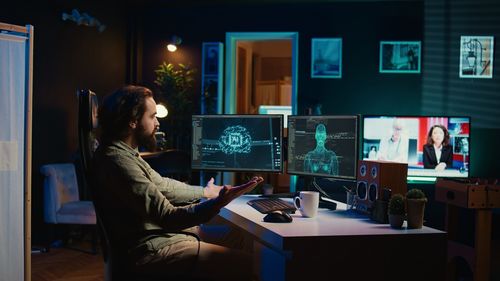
(232, 39)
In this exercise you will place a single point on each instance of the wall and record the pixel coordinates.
(67, 57)
(361, 25)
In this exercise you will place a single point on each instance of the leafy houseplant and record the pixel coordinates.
(415, 201)
(396, 210)
(176, 83)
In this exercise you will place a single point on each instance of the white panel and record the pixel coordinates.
(12, 126)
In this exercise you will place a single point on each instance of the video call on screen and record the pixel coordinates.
(237, 142)
(413, 134)
(322, 146)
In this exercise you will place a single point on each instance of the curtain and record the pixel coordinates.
(13, 65)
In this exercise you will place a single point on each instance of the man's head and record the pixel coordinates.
(397, 128)
(129, 112)
(320, 135)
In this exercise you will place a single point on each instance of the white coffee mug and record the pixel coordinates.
(307, 202)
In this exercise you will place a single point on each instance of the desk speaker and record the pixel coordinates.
(374, 176)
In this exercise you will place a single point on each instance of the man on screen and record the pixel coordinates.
(395, 147)
(145, 212)
(321, 160)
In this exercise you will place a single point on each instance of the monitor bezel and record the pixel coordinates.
(257, 116)
(354, 177)
(362, 138)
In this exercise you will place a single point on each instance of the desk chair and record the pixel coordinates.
(62, 203)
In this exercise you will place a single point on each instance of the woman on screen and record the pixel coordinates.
(438, 153)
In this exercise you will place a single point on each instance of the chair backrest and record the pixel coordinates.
(60, 186)
(87, 123)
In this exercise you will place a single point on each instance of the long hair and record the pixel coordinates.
(446, 140)
(117, 110)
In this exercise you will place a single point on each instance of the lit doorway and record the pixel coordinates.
(239, 45)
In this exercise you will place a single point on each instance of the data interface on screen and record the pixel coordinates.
(237, 142)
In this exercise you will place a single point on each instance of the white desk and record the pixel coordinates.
(342, 245)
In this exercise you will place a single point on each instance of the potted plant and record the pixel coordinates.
(396, 210)
(175, 86)
(415, 206)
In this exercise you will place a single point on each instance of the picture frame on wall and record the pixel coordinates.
(400, 56)
(326, 58)
(476, 56)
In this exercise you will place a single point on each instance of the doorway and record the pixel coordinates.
(241, 40)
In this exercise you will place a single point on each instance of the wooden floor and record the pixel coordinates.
(65, 264)
(69, 265)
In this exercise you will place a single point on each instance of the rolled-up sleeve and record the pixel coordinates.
(175, 191)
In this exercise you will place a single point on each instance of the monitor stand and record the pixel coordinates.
(324, 199)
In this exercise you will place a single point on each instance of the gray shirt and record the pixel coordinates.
(143, 209)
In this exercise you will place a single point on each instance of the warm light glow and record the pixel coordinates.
(161, 111)
(171, 48)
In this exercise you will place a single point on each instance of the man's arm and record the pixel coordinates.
(175, 191)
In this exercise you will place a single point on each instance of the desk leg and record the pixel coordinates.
(269, 264)
(483, 245)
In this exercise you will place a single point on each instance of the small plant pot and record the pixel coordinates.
(415, 212)
(396, 221)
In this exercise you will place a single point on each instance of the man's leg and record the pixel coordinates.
(200, 260)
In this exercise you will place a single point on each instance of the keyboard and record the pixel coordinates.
(269, 205)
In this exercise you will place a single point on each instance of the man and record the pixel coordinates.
(146, 212)
(321, 160)
(395, 147)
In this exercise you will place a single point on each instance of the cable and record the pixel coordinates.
(320, 189)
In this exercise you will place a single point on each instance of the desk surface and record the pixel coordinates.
(327, 223)
(343, 239)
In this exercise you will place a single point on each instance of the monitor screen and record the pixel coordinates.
(237, 143)
(433, 146)
(286, 110)
(324, 146)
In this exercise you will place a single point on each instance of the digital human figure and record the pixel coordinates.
(438, 152)
(321, 160)
(395, 147)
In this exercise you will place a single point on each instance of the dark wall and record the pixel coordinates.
(67, 57)
(361, 25)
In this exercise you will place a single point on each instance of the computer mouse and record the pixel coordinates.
(278, 217)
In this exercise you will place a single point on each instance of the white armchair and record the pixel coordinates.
(62, 204)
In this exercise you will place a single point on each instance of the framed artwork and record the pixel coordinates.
(326, 58)
(211, 78)
(476, 56)
(400, 57)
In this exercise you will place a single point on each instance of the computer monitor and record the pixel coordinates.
(237, 143)
(409, 139)
(323, 146)
(286, 110)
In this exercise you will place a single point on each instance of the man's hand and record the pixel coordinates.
(229, 193)
(211, 190)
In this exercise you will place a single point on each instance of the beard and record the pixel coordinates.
(146, 140)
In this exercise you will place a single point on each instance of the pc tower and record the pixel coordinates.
(373, 177)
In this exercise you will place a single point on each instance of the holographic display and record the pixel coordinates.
(323, 146)
(237, 142)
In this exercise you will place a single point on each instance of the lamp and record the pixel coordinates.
(161, 111)
(174, 42)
